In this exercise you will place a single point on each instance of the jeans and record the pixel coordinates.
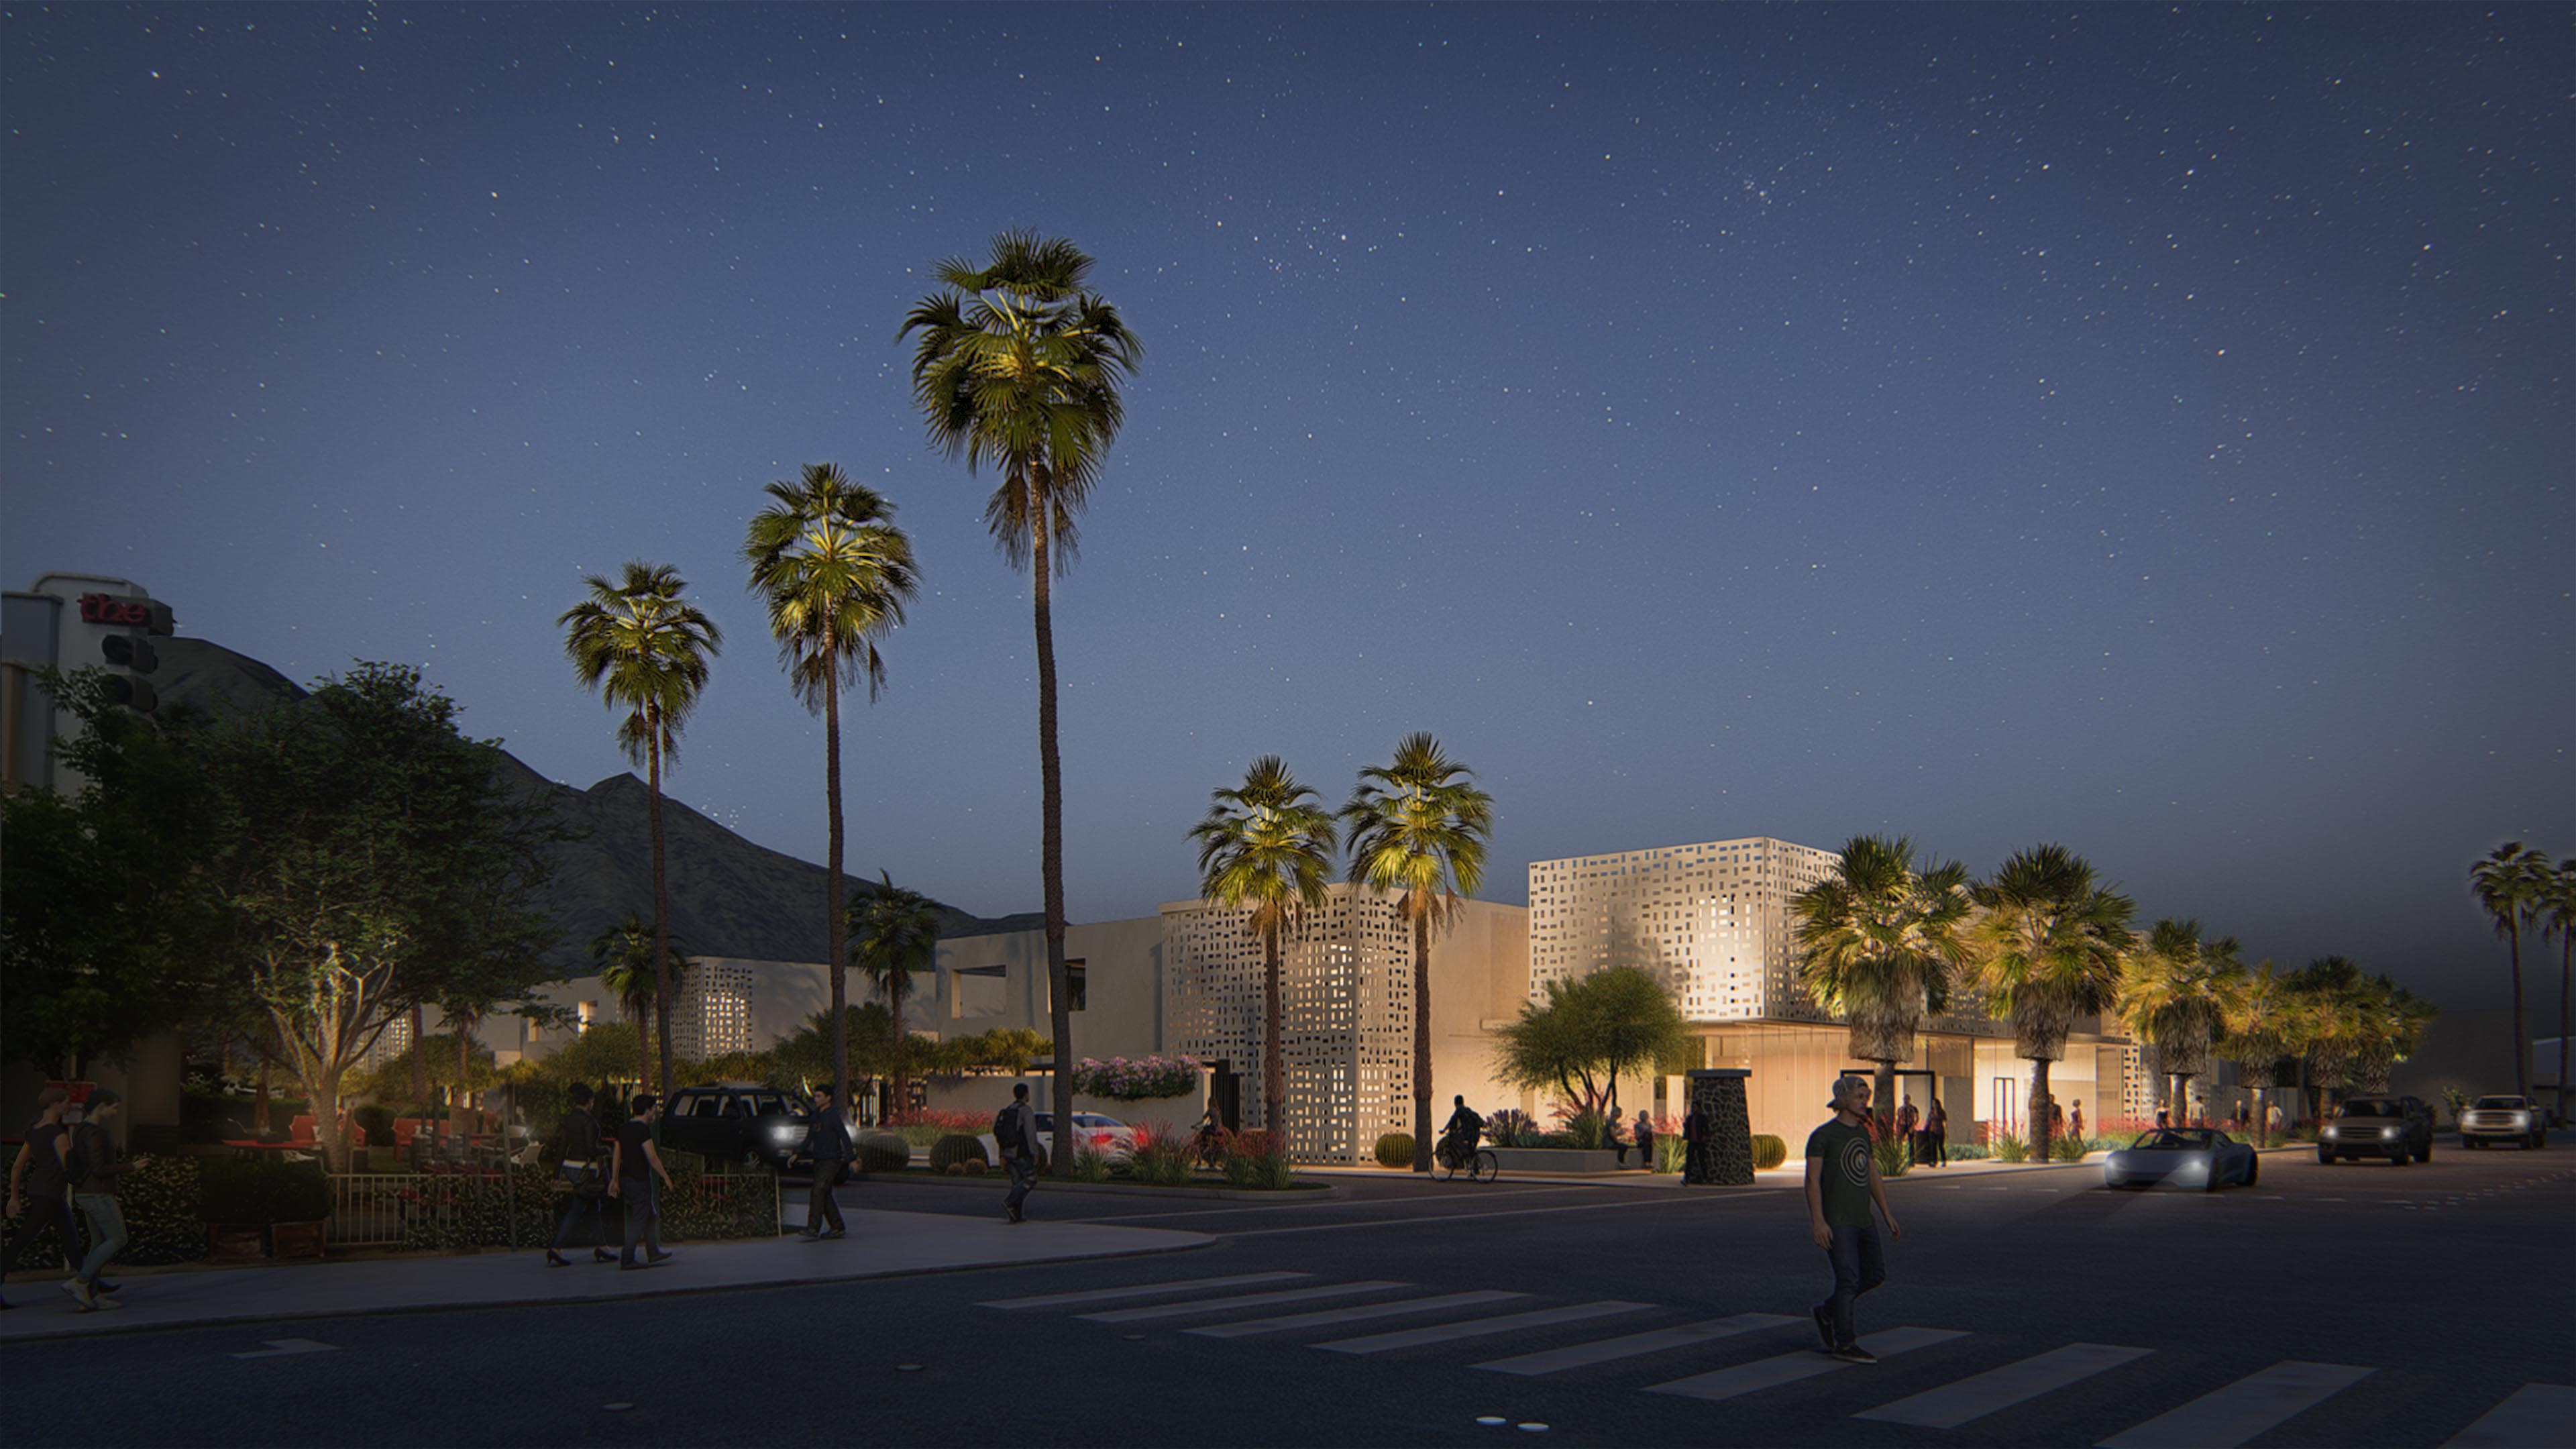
(37, 1213)
(107, 1232)
(582, 1205)
(820, 1206)
(643, 1217)
(1859, 1266)
(1024, 1176)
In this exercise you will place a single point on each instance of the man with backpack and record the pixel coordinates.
(94, 1167)
(827, 1141)
(1015, 1132)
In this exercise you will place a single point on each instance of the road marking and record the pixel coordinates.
(1606, 1350)
(1480, 1327)
(1657, 1199)
(1951, 1405)
(1326, 1316)
(1342, 1202)
(281, 1347)
(2535, 1416)
(1789, 1368)
(1246, 1300)
(1140, 1290)
(2228, 1417)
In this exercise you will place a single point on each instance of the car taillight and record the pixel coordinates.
(1100, 1139)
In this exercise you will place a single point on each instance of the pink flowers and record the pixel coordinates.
(1129, 1079)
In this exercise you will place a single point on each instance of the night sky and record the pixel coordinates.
(2142, 428)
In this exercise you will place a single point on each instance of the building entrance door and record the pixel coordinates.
(2008, 1105)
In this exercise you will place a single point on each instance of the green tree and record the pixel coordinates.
(2392, 1022)
(2562, 919)
(1878, 941)
(2170, 994)
(605, 1051)
(895, 937)
(2046, 948)
(2259, 1024)
(835, 573)
(1017, 366)
(622, 956)
(1417, 826)
(1267, 844)
(1582, 1034)
(646, 650)
(2511, 886)
(2332, 1002)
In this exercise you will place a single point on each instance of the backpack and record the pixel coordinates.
(1006, 1129)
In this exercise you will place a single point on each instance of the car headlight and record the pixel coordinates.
(785, 1132)
(2387, 1131)
(2522, 1119)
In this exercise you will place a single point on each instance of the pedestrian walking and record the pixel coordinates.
(827, 1141)
(1842, 1187)
(40, 1194)
(1936, 1135)
(1644, 1132)
(93, 1165)
(2075, 1123)
(1015, 1132)
(639, 1180)
(584, 1170)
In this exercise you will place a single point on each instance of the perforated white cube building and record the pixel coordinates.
(1710, 921)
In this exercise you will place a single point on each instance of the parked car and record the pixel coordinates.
(2199, 1157)
(750, 1123)
(1106, 1135)
(2397, 1128)
(2503, 1119)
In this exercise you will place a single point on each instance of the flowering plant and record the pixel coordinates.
(1131, 1079)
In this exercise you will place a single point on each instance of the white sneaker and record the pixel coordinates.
(82, 1298)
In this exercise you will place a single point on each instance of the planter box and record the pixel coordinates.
(236, 1242)
(297, 1240)
(1559, 1159)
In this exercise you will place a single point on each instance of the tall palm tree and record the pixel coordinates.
(1878, 941)
(2258, 1025)
(1017, 366)
(645, 649)
(1417, 826)
(2562, 919)
(1267, 844)
(2332, 1002)
(2170, 990)
(2392, 1021)
(622, 957)
(894, 936)
(2046, 948)
(2510, 884)
(835, 574)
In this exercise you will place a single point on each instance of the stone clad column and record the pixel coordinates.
(1723, 1157)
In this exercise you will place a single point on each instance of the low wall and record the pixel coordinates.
(990, 1094)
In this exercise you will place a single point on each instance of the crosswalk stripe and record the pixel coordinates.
(1324, 1317)
(1480, 1327)
(1140, 1290)
(2225, 1418)
(1951, 1405)
(1788, 1368)
(1242, 1300)
(2535, 1416)
(1583, 1355)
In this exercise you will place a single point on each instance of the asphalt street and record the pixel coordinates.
(2347, 1305)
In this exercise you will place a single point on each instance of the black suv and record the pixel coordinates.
(2397, 1128)
(748, 1123)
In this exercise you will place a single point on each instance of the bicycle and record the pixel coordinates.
(1452, 1157)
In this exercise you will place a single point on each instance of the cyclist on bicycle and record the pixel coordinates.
(1465, 1128)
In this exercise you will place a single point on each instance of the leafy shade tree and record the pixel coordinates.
(622, 956)
(604, 1052)
(1586, 1032)
(2511, 885)
(1267, 844)
(2170, 990)
(2046, 948)
(646, 650)
(835, 573)
(862, 1042)
(1017, 366)
(367, 855)
(1417, 826)
(2259, 1024)
(895, 936)
(1878, 942)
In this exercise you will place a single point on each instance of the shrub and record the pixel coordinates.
(952, 1149)
(1893, 1158)
(1395, 1149)
(1256, 1159)
(1136, 1079)
(1670, 1150)
(883, 1152)
(943, 1118)
(2009, 1148)
(1090, 1164)
(159, 1200)
(1511, 1127)
(1583, 1129)
(1964, 1152)
(1159, 1154)
(1768, 1151)
(2067, 1149)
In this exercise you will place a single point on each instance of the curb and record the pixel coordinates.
(1325, 1193)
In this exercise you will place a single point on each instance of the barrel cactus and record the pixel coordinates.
(1395, 1149)
(883, 1152)
(1768, 1151)
(954, 1148)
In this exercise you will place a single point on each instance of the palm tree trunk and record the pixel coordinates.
(419, 1057)
(835, 930)
(894, 1004)
(643, 1050)
(2521, 1044)
(1274, 1067)
(1051, 840)
(2042, 1120)
(661, 906)
(1882, 1092)
(1422, 1041)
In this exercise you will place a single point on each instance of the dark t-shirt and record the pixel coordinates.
(631, 1137)
(46, 1141)
(1844, 1173)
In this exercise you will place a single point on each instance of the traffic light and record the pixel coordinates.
(129, 656)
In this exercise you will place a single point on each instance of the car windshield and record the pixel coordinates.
(2170, 1141)
(1094, 1119)
(2371, 1109)
(2501, 1104)
(769, 1104)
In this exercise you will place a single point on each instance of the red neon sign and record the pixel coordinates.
(109, 609)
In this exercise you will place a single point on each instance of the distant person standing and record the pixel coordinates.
(1842, 1187)
(40, 1192)
(94, 1168)
(1015, 1132)
(2272, 1118)
(1644, 1132)
(2075, 1123)
(828, 1143)
(1694, 1146)
(1936, 1135)
(1907, 1119)
(639, 1179)
(585, 1171)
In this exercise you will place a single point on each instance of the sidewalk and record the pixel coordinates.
(880, 1245)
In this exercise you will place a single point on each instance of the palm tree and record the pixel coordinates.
(2332, 1002)
(645, 649)
(2169, 998)
(2562, 919)
(2046, 949)
(622, 957)
(2392, 1021)
(835, 573)
(1018, 366)
(2258, 1025)
(2510, 885)
(1416, 825)
(1264, 844)
(1877, 943)
(894, 935)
